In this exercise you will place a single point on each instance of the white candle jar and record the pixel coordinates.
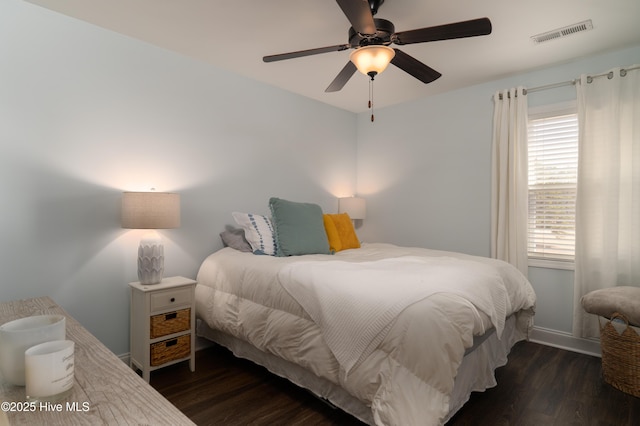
(49, 370)
(19, 335)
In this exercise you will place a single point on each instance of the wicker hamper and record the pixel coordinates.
(621, 356)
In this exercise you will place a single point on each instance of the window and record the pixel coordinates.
(553, 170)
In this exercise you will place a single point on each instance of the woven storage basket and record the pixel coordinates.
(621, 356)
(171, 349)
(170, 322)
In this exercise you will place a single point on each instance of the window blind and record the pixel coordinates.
(553, 168)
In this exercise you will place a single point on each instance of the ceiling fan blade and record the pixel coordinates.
(412, 66)
(359, 14)
(308, 52)
(342, 78)
(472, 28)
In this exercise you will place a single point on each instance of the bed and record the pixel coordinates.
(393, 335)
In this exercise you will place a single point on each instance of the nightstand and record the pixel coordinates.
(162, 324)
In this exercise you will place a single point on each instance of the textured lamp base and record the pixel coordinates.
(150, 259)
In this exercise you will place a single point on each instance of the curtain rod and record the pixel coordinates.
(550, 86)
(623, 72)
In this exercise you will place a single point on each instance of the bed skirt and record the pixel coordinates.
(475, 374)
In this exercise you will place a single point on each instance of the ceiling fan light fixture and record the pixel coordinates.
(372, 60)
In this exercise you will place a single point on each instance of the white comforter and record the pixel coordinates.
(388, 324)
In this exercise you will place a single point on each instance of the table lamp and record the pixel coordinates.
(150, 210)
(355, 207)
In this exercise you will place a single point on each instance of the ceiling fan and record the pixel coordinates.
(371, 37)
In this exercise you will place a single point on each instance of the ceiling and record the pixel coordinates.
(235, 35)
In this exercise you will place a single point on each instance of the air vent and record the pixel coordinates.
(563, 32)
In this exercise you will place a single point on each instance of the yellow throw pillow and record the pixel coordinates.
(346, 232)
(332, 234)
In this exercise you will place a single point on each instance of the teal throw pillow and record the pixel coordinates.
(298, 227)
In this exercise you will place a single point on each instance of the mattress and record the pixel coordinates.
(382, 328)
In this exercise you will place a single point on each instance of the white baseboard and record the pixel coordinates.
(563, 340)
(202, 343)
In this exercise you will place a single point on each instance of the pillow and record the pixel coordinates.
(346, 232)
(258, 231)
(235, 239)
(607, 301)
(299, 228)
(332, 234)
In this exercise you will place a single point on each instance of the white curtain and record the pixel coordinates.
(608, 200)
(509, 192)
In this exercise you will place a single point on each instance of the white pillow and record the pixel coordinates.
(258, 231)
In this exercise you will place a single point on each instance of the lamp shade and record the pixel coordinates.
(150, 210)
(372, 60)
(355, 207)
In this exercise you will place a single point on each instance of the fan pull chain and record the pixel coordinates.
(371, 98)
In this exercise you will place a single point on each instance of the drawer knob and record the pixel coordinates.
(173, 299)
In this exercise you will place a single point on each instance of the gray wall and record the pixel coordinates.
(86, 114)
(425, 169)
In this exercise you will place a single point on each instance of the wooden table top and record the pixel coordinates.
(105, 390)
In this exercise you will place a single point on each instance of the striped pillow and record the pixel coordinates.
(258, 231)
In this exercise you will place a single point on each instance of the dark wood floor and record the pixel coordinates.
(539, 386)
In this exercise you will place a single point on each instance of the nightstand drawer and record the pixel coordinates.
(166, 299)
(171, 349)
(170, 322)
